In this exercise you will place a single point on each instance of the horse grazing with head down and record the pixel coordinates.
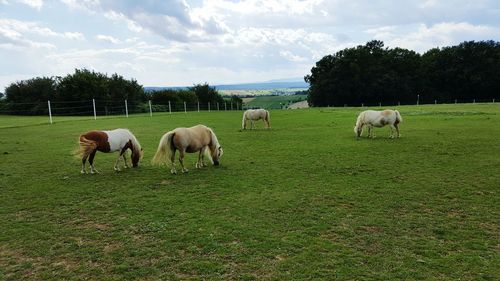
(373, 118)
(109, 141)
(253, 115)
(198, 138)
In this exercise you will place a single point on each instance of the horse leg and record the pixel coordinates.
(84, 159)
(392, 131)
(181, 160)
(172, 161)
(125, 160)
(91, 162)
(117, 162)
(203, 164)
(397, 129)
(198, 163)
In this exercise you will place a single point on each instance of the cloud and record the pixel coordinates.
(422, 37)
(36, 4)
(108, 38)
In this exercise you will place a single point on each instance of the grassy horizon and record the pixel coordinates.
(303, 200)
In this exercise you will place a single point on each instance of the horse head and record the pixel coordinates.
(216, 152)
(137, 154)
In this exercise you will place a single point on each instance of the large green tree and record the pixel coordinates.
(371, 74)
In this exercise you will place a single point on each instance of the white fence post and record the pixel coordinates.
(150, 109)
(208, 106)
(231, 105)
(217, 106)
(474, 101)
(380, 104)
(198, 106)
(435, 102)
(493, 100)
(418, 99)
(93, 104)
(126, 108)
(169, 108)
(185, 111)
(362, 105)
(50, 112)
(399, 103)
(225, 106)
(455, 101)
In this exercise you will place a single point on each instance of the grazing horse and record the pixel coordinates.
(195, 139)
(109, 141)
(373, 118)
(253, 115)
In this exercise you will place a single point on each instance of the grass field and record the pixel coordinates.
(303, 200)
(274, 102)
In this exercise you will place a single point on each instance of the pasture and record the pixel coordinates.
(303, 200)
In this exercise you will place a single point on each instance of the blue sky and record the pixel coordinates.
(183, 42)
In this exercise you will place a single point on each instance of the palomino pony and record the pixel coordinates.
(195, 139)
(373, 118)
(109, 141)
(253, 115)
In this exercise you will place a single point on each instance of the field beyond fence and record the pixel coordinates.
(303, 200)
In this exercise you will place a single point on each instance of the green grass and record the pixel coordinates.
(274, 102)
(303, 200)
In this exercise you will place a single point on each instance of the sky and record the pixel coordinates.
(186, 42)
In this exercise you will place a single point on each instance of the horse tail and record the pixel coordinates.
(398, 116)
(359, 122)
(165, 148)
(243, 120)
(267, 119)
(86, 147)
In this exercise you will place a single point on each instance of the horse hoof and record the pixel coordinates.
(83, 172)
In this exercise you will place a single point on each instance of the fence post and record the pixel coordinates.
(455, 101)
(380, 104)
(418, 99)
(217, 106)
(399, 103)
(126, 108)
(237, 108)
(185, 111)
(208, 106)
(362, 105)
(198, 106)
(150, 109)
(231, 105)
(474, 101)
(169, 108)
(225, 107)
(493, 100)
(50, 112)
(93, 104)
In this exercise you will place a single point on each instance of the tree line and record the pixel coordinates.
(73, 92)
(373, 74)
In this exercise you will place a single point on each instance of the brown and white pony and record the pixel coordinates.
(194, 139)
(373, 118)
(109, 141)
(253, 115)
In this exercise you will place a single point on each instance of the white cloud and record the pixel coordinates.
(108, 38)
(36, 4)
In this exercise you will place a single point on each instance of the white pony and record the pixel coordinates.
(194, 139)
(253, 115)
(373, 118)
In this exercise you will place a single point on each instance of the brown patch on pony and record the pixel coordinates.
(99, 138)
(386, 113)
(383, 122)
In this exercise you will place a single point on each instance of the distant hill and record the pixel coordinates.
(248, 86)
